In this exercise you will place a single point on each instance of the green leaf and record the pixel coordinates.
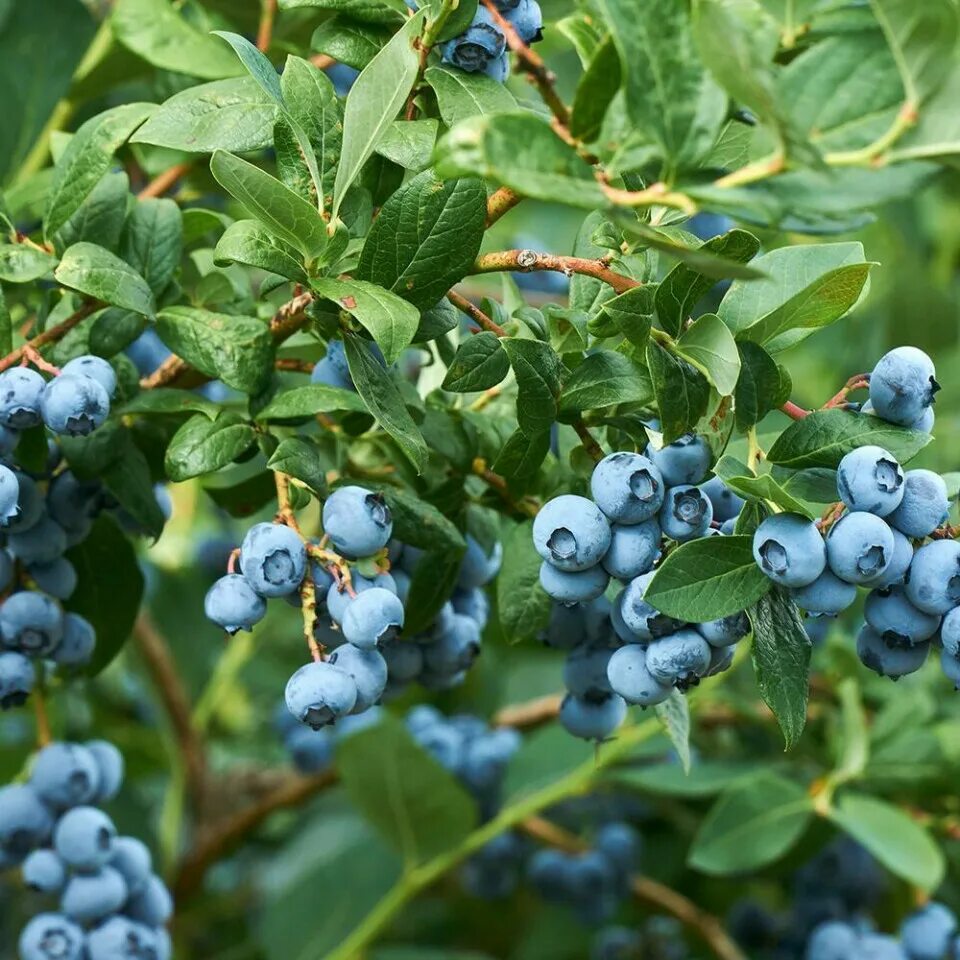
(232, 114)
(6, 326)
(752, 824)
(283, 212)
(413, 802)
(682, 392)
(538, 372)
(674, 714)
(605, 378)
(706, 777)
(520, 151)
(383, 400)
(709, 345)
(300, 459)
(431, 584)
(155, 31)
(348, 41)
(632, 314)
(308, 401)
(22, 264)
(114, 329)
(236, 350)
(391, 321)
(893, 837)
(426, 238)
(87, 158)
(99, 274)
(853, 747)
(167, 401)
(366, 11)
(128, 479)
(247, 242)
(153, 241)
(255, 63)
(373, 103)
(520, 457)
(758, 387)
(738, 477)
(101, 217)
(523, 605)
(479, 364)
(937, 131)
(409, 143)
(420, 523)
(461, 95)
(597, 87)
(824, 437)
(708, 579)
(583, 32)
(669, 94)
(781, 659)
(683, 287)
(109, 588)
(202, 445)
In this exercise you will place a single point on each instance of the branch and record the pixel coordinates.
(475, 314)
(528, 260)
(858, 381)
(268, 12)
(499, 203)
(588, 441)
(707, 926)
(52, 335)
(162, 182)
(793, 411)
(657, 194)
(530, 715)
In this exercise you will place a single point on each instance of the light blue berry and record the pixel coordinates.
(725, 631)
(367, 668)
(310, 750)
(318, 694)
(899, 563)
(592, 720)
(17, 678)
(859, 547)
(357, 521)
(527, 20)
(20, 392)
(232, 603)
(482, 42)
(58, 577)
(633, 549)
(83, 838)
(78, 643)
(74, 406)
(726, 504)
(374, 617)
(31, 623)
(131, 859)
(454, 649)
(51, 936)
(680, 659)
(44, 871)
(902, 385)
(627, 487)
(870, 479)
(685, 461)
(25, 821)
(788, 548)
(65, 775)
(153, 905)
(119, 938)
(832, 940)
(9, 495)
(571, 533)
(928, 932)
(110, 766)
(686, 513)
(629, 677)
(478, 567)
(404, 660)
(886, 659)
(92, 896)
(924, 506)
(896, 619)
(273, 558)
(44, 542)
(639, 617)
(94, 367)
(573, 587)
(585, 671)
(933, 582)
(827, 595)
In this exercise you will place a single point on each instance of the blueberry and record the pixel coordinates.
(454, 649)
(31, 506)
(899, 563)
(627, 487)
(527, 20)
(16, 680)
(928, 932)
(859, 547)
(357, 521)
(870, 479)
(31, 623)
(576, 587)
(153, 905)
(25, 822)
(74, 406)
(58, 577)
(132, 860)
(788, 548)
(896, 619)
(726, 504)
(273, 558)
(65, 775)
(148, 351)
(721, 660)
(471, 603)
(567, 626)
(686, 513)
(827, 595)
(903, 385)
(680, 659)
(51, 936)
(571, 533)
(9, 494)
(233, 604)
(925, 421)
(592, 719)
(886, 659)
(404, 660)
(119, 938)
(878, 946)
(78, 643)
(832, 940)
(628, 676)
(89, 897)
(478, 567)
(83, 838)
(44, 542)
(72, 503)
(94, 367)
(368, 671)
(633, 549)
(725, 631)
(499, 70)
(20, 392)
(950, 633)
(925, 504)
(310, 750)
(933, 581)
(333, 370)
(374, 617)
(110, 766)
(547, 872)
(585, 672)
(616, 943)
(338, 600)
(44, 871)
(639, 617)
(485, 760)
(951, 668)
(685, 461)
(318, 694)
(480, 43)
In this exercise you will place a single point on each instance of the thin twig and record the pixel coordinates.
(859, 381)
(793, 411)
(44, 736)
(499, 203)
(475, 314)
(527, 716)
(268, 13)
(526, 261)
(294, 365)
(588, 441)
(52, 335)
(321, 61)
(162, 182)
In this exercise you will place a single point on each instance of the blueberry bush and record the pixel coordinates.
(470, 472)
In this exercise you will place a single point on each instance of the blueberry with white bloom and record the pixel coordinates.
(273, 558)
(859, 547)
(482, 42)
(153, 905)
(933, 582)
(131, 859)
(84, 837)
(92, 896)
(9, 494)
(65, 775)
(571, 533)
(832, 940)
(896, 619)
(74, 406)
(902, 385)
(404, 660)
(628, 676)
(31, 623)
(51, 936)
(871, 480)
(686, 513)
(20, 392)
(680, 659)
(685, 461)
(44, 871)
(828, 595)
(17, 678)
(120, 938)
(889, 659)
(592, 719)
(726, 504)
(924, 506)
(110, 766)
(627, 487)
(57, 577)
(900, 562)
(367, 668)
(25, 821)
(43, 543)
(928, 932)
(94, 367)
(78, 642)
(374, 617)
(573, 587)
(633, 550)
(479, 566)
(527, 19)
(455, 648)
(640, 617)
(725, 631)
(30, 504)
(357, 521)
(318, 694)
(585, 671)
(788, 548)
(233, 604)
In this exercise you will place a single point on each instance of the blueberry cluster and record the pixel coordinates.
(591, 884)
(626, 651)
(880, 541)
(660, 938)
(111, 903)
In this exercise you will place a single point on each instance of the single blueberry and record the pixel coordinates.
(899, 563)
(17, 678)
(527, 19)
(20, 392)
(367, 668)
(43, 543)
(627, 487)
(499, 70)
(44, 871)
(132, 860)
(633, 549)
(273, 558)
(374, 617)
(573, 587)
(65, 775)
(478, 567)
(933, 581)
(92, 896)
(639, 617)
(585, 672)
(896, 619)
(870, 479)
(482, 42)
(404, 660)
(726, 504)
(318, 694)
(119, 938)
(788, 548)
(51, 936)
(628, 676)
(30, 504)
(233, 604)
(928, 932)
(924, 506)
(9, 495)
(686, 513)
(571, 533)
(828, 595)
(886, 659)
(31, 623)
(859, 547)
(25, 821)
(332, 370)
(94, 367)
(832, 940)
(110, 766)
(725, 631)
(471, 603)
(455, 649)
(83, 838)
(57, 577)
(683, 462)
(357, 521)
(153, 905)
(902, 385)
(74, 406)
(680, 659)
(592, 719)
(78, 643)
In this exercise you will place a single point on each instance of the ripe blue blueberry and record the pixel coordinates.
(132, 860)
(310, 750)
(454, 649)
(318, 694)
(896, 619)
(44, 871)
(928, 932)
(933, 582)
(859, 547)
(479, 567)
(83, 838)
(120, 938)
(788, 548)
(367, 668)
(950, 633)
(74, 406)
(571, 533)
(680, 659)
(886, 659)
(633, 549)
(20, 392)
(471, 603)
(878, 946)
(870, 479)
(16, 680)
(482, 42)
(832, 940)
(273, 558)
(726, 504)
(629, 677)
(499, 69)
(332, 369)
(31, 623)
(9, 494)
(374, 617)
(338, 599)
(94, 367)
(899, 563)
(527, 20)
(153, 905)
(566, 628)
(721, 660)
(627, 487)
(951, 668)
(43, 543)
(585, 671)
(639, 617)
(620, 844)
(404, 660)
(726, 631)
(92, 896)
(827, 595)
(25, 822)
(357, 521)
(110, 766)
(686, 513)
(58, 577)
(233, 604)
(902, 385)
(65, 775)
(924, 506)
(51, 936)
(685, 461)
(78, 643)
(591, 719)
(578, 587)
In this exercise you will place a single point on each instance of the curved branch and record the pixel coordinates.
(475, 314)
(52, 335)
(526, 261)
(162, 182)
